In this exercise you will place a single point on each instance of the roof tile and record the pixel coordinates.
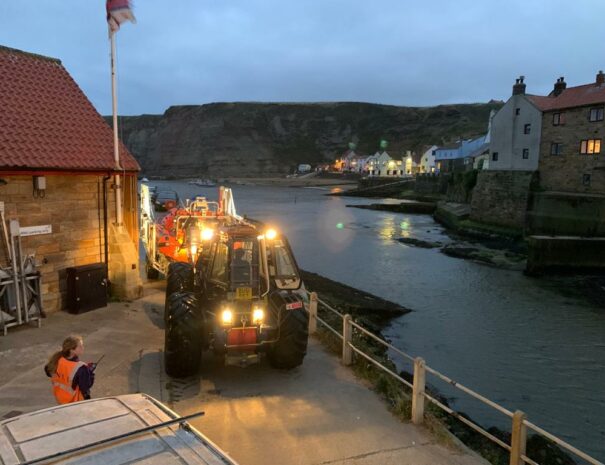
(46, 121)
(587, 94)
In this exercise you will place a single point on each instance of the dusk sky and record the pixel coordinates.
(400, 52)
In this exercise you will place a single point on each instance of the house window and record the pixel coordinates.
(525, 154)
(494, 156)
(590, 146)
(558, 119)
(517, 111)
(596, 114)
(586, 179)
(556, 148)
(527, 129)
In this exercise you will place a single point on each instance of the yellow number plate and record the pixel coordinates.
(243, 293)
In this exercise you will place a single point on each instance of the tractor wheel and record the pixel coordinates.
(183, 335)
(179, 279)
(291, 347)
(151, 272)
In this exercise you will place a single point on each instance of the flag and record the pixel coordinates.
(118, 11)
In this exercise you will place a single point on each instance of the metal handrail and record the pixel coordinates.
(450, 381)
(381, 366)
(470, 392)
(382, 341)
(468, 422)
(562, 443)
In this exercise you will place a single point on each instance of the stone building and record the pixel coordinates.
(572, 157)
(56, 172)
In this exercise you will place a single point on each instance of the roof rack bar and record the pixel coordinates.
(119, 437)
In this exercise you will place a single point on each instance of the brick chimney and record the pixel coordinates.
(560, 86)
(600, 78)
(519, 86)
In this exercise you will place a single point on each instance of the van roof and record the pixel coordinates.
(39, 434)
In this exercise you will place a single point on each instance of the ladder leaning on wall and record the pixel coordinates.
(20, 281)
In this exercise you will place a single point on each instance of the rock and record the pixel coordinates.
(498, 258)
(404, 207)
(419, 243)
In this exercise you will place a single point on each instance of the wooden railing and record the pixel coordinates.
(519, 422)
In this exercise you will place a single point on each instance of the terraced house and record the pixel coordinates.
(547, 169)
(573, 128)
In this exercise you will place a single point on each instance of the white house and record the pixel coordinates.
(515, 133)
(381, 164)
(352, 162)
(427, 160)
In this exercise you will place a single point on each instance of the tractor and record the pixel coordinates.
(239, 300)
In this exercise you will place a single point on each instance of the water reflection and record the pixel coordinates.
(514, 339)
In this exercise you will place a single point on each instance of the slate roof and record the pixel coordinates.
(579, 96)
(46, 121)
(483, 148)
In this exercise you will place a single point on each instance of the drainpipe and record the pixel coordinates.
(105, 232)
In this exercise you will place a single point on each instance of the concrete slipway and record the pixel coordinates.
(319, 413)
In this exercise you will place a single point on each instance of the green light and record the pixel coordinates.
(340, 226)
(405, 225)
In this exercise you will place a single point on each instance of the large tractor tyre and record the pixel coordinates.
(183, 335)
(179, 279)
(151, 272)
(291, 347)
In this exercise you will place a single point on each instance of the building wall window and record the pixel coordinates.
(494, 156)
(590, 146)
(558, 119)
(596, 114)
(517, 111)
(527, 129)
(525, 154)
(556, 148)
(586, 179)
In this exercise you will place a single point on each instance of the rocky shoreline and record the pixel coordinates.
(375, 314)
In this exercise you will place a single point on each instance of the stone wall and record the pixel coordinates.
(565, 172)
(430, 184)
(567, 214)
(565, 253)
(73, 206)
(501, 198)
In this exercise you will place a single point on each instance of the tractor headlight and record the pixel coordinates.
(227, 317)
(258, 315)
(207, 234)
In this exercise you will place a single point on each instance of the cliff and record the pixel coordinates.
(265, 139)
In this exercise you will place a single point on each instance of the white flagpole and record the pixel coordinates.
(116, 152)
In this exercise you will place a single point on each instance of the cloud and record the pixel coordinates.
(398, 52)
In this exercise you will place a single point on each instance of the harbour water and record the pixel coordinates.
(525, 343)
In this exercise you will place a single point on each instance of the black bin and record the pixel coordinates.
(86, 287)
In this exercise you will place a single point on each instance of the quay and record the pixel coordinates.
(319, 413)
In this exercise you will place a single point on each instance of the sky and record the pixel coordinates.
(397, 52)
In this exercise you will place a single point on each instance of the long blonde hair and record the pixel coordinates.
(69, 344)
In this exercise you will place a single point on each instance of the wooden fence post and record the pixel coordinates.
(347, 337)
(313, 313)
(418, 391)
(518, 439)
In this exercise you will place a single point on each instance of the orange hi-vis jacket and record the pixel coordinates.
(63, 379)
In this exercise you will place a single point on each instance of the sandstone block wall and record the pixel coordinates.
(565, 172)
(73, 206)
(501, 198)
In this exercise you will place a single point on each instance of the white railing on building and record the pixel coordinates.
(519, 422)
